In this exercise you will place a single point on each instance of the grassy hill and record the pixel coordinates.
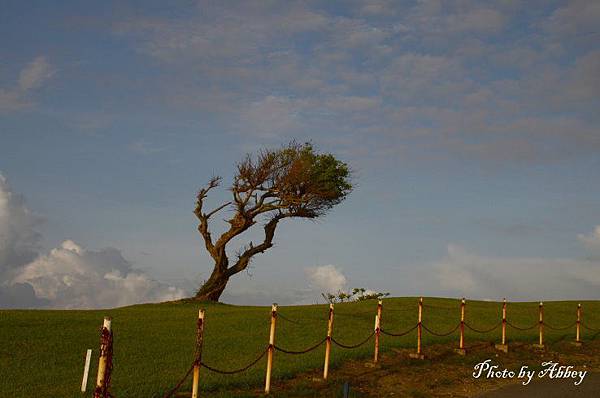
(42, 352)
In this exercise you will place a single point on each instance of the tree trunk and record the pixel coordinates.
(212, 289)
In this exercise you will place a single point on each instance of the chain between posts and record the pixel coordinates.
(522, 328)
(285, 318)
(589, 328)
(107, 339)
(311, 348)
(230, 372)
(350, 347)
(560, 328)
(484, 330)
(440, 334)
(401, 333)
(171, 392)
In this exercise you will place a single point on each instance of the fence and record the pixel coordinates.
(107, 336)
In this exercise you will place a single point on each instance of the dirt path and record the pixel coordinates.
(445, 374)
(550, 389)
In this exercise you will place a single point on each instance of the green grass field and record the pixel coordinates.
(42, 352)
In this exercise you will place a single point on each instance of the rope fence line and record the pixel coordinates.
(484, 331)
(522, 328)
(560, 328)
(240, 370)
(174, 390)
(351, 347)
(440, 334)
(106, 342)
(285, 318)
(589, 328)
(312, 348)
(304, 320)
(401, 333)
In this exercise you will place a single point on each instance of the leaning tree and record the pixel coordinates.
(291, 182)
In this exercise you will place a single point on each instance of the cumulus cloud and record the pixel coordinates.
(69, 276)
(19, 237)
(20, 295)
(31, 77)
(73, 277)
(463, 273)
(326, 278)
(591, 241)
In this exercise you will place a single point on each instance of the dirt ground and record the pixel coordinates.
(443, 373)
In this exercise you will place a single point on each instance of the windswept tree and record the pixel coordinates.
(292, 182)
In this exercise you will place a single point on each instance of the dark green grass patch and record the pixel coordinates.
(42, 352)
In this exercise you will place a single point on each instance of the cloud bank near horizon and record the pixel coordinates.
(68, 276)
(464, 273)
(71, 276)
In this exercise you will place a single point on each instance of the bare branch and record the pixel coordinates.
(246, 256)
(208, 215)
(203, 227)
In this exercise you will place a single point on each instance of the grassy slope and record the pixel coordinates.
(42, 352)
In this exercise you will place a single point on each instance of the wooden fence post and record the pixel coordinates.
(198, 359)
(420, 327)
(504, 322)
(377, 330)
(104, 358)
(541, 323)
(540, 345)
(578, 342)
(271, 348)
(419, 353)
(461, 344)
(328, 342)
(503, 346)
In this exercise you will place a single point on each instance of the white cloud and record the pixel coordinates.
(12, 100)
(577, 16)
(353, 72)
(69, 276)
(19, 237)
(463, 273)
(31, 77)
(272, 116)
(326, 278)
(73, 277)
(435, 17)
(418, 78)
(591, 241)
(35, 74)
(479, 20)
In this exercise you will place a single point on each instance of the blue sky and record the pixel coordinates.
(472, 128)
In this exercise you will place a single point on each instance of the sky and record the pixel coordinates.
(472, 129)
